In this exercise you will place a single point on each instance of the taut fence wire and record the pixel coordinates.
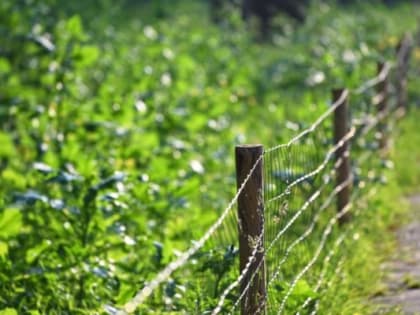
(286, 235)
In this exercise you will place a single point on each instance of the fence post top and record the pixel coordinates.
(248, 146)
(338, 91)
(340, 95)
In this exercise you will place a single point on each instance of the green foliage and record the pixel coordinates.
(8, 311)
(117, 132)
(10, 222)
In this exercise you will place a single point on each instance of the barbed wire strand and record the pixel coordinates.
(381, 77)
(318, 251)
(251, 259)
(315, 125)
(323, 207)
(370, 193)
(337, 271)
(161, 277)
(349, 135)
(325, 264)
(331, 252)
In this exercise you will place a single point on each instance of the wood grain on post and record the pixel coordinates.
(251, 225)
(382, 107)
(341, 128)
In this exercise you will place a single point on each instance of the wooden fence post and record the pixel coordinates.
(401, 82)
(382, 107)
(403, 57)
(341, 128)
(251, 225)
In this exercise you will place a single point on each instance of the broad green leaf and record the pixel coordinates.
(8, 311)
(34, 252)
(6, 146)
(74, 26)
(126, 292)
(10, 222)
(13, 177)
(88, 55)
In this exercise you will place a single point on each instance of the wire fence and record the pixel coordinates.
(280, 249)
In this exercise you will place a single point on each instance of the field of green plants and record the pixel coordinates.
(118, 126)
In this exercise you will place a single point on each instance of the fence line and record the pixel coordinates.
(326, 233)
(329, 199)
(287, 250)
(308, 231)
(166, 273)
(305, 206)
(338, 151)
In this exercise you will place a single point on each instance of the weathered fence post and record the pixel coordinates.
(341, 128)
(251, 225)
(403, 57)
(401, 81)
(382, 107)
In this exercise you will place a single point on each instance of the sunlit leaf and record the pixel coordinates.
(8, 311)
(6, 145)
(10, 222)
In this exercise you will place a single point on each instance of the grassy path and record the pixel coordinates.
(403, 280)
(402, 270)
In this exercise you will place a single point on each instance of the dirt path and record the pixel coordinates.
(403, 278)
